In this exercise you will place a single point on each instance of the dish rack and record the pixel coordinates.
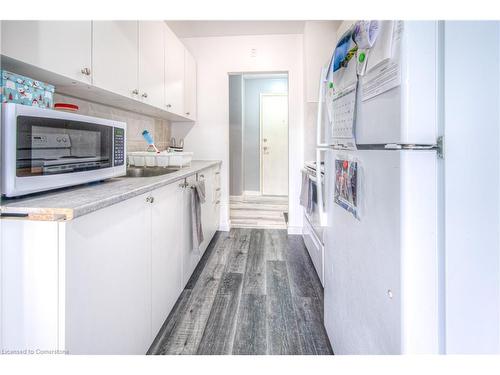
(162, 159)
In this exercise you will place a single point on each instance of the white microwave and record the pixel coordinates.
(44, 149)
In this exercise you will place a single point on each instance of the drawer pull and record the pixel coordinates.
(217, 202)
(218, 189)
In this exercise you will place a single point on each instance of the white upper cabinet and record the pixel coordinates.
(189, 85)
(151, 63)
(115, 57)
(174, 73)
(62, 47)
(115, 60)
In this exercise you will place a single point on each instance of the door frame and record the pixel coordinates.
(262, 95)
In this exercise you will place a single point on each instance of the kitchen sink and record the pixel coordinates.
(149, 171)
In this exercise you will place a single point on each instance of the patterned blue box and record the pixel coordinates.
(23, 90)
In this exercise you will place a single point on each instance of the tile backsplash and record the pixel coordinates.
(136, 122)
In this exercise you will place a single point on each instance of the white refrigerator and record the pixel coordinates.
(382, 265)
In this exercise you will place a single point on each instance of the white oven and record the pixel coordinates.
(313, 227)
(44, 149)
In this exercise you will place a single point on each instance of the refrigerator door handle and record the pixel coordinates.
(319, 188)
(321, 97)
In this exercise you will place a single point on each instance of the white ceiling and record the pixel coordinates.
(189, 29)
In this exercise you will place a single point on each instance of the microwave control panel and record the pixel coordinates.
(119, 142)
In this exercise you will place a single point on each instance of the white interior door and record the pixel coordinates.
(274, 144)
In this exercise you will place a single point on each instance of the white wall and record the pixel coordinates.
(320, 38)
(472, 186)
(209, 136)
(235, 134)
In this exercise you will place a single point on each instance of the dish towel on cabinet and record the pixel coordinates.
(197, 198)
(306, 193)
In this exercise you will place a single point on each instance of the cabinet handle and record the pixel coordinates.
(218, 189)
(169, 105)
(217, 202)
(187, 113)
(85, 71)
(135, 92)
(217, 173)
(150, 199)
(145, 95)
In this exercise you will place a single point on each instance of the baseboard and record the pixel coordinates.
(225, 227)
(252, 193)
(294, 230)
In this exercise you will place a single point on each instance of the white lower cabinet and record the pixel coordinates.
(108, 280)
(166, 252)
(102, 283)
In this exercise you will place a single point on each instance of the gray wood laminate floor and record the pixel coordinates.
(255, 291)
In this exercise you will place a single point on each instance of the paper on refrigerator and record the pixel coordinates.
(381, 50)
(383, 71)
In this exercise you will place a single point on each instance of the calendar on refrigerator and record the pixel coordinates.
(343, 108)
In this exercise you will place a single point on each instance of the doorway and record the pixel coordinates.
(258, 148)
(274, 144)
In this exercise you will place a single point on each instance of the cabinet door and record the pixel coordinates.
(189, 85)
(62, 47)
(151, 63)
(108, 278)
(217, 198)
(114, 57)
(174, 73)
(166, 252)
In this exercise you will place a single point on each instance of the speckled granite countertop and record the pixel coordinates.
(69, 203)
